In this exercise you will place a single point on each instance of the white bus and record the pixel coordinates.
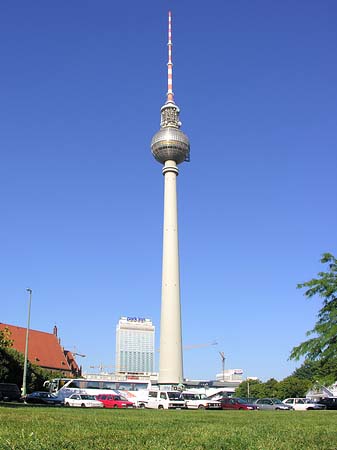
(135, 391)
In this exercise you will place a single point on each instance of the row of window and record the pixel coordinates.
(121, 386)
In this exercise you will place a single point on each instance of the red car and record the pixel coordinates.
(236, 403)
(114, 401)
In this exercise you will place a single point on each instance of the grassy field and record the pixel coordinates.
(76, 429)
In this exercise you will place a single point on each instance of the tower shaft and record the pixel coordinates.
(170, 359)
(170, 146)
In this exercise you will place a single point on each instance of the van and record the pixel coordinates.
(165, 400)
(9, 392)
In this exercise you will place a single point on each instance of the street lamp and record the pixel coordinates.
(24, 382)
(248, 379)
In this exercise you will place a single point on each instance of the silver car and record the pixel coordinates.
(272, 404)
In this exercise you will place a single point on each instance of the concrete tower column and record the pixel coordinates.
(170, 147)
(170, 358)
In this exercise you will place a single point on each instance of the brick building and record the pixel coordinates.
(44, 350)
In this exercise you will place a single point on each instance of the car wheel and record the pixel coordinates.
(240, 409)
(141, 405)
(201, 407)
(115, 406)
(83, 405)
(67, 405)
(160, 407)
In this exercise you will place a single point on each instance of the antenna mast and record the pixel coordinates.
(169, 63)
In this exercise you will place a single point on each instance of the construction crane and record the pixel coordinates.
(75, 353)
(101, 367)
(79, 354)
(222, 356)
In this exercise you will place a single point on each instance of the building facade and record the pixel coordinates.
(135, 345)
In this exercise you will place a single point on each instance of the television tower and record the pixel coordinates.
(170, 146)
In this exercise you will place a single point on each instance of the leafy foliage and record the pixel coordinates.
(11, 370)
(316, 370)
(289, 387)
(322, 346)
(293, 387)
(5, 338)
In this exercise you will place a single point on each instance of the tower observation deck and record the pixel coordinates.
(170, 143)
(170, 146)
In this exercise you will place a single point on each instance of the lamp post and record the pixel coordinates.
(248, 379)
(24, 382)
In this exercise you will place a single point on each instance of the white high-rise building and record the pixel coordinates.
(135, 345)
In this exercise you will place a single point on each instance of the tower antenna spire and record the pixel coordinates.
(170, 94)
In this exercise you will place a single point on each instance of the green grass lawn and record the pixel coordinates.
(72, 428)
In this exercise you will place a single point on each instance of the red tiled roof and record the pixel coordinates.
(44, 349)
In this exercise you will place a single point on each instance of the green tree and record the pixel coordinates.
(242, 390)
(11, 370)
(5, 338)
(322, 346)
(307, 371)
(270, 388)
(257, 388)
(293, 387)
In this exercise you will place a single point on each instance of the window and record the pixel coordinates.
(93, 385)
(124, 386)
(109, 385)
(74, 384)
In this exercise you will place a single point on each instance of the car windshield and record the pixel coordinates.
(87, 397)
(174, 396)
(190, 396)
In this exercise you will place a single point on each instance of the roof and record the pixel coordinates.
(44, 349)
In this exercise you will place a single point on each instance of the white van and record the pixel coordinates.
(165, 400)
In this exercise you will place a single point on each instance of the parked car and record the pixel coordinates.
(303, 404)
(165, 400)
(329, 402)
(114, 401)
(236, 403)
(272, 404)
(83, 401)
(42, 398)
(9, 392)
(200, 401)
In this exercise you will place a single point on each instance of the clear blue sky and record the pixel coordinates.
(82, 83)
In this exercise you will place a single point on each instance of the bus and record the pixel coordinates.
(134, 390)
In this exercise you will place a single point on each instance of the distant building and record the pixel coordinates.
(135, 345)
(44, 350)
(231, 375)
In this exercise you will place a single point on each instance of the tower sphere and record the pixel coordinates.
(170, 143)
